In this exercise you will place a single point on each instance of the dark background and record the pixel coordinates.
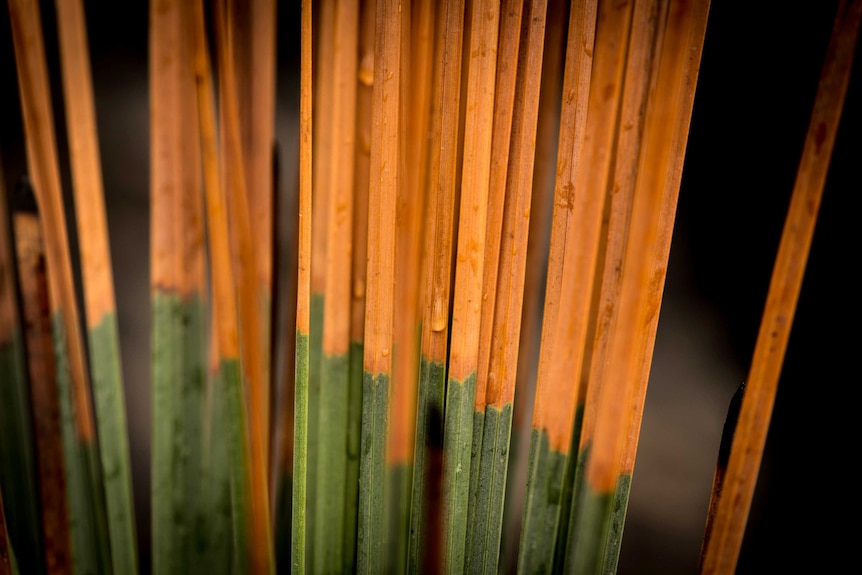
(761, 62)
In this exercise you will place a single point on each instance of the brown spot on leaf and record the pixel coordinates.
(566, 196)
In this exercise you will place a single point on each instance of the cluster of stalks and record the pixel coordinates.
(485, 206)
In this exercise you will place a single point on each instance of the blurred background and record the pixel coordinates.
(761, 62)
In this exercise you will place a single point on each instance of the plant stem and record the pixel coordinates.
(19, 418)
(438, 249)
(100, 305)
(509, 284)
(252, 541)
(724, 544)
(594, 543)
(35, 97)
(469, 272)
(554, 408)
(647, 26)
(365, 77)
(727, 435)
(334, 373)
(303, 302)
(254, 363)
(642, 359)
(324, 80)
(506, 76)
(377, 365)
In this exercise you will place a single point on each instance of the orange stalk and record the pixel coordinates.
(256, 385)
(541, 205)
(442, 180)
(45, 174)
(323, 82)
(382, 193)
(667, 215)
(647, 27)
(505, 341)
(411, 223)
(504, 110)
(722, 551)
(550, 412)
(475, 179)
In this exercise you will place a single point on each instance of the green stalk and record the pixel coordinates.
(95, 489)
(87, 522)
(17, 466)
(372, 536)
(168, 512)
(398, 489)
(113, 442)
(475, 464)
(315, 364)
(237, 440)
(484, 554)
(217, 515)
(332, 464)
(618, 520)
(572, 466)
(17, 457)
(565, 542)
(432, 391)
(179, 526)
(300, 454)
(354, 437)
(542, 505)
(457, 444)
(588, 541)
(595, 524)
(192, 404)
